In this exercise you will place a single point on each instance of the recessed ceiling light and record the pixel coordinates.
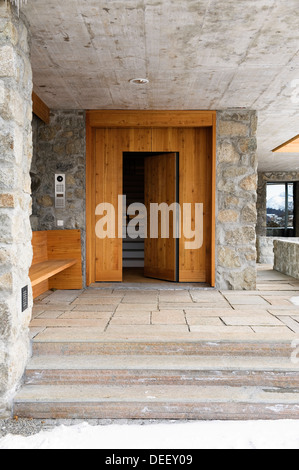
(139, 81)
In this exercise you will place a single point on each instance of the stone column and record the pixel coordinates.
(15, 200)
(261, 228)
(236, 199)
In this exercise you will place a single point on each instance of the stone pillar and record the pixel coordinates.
(15, 200)
(236, 199)
(261, 228)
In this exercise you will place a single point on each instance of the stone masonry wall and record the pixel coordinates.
(15, 200)
(236, 199)
(286, 257)
(60, 147)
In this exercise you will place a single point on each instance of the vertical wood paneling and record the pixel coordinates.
(108, 186)
(197, 150)
(160, 187)
(65, 244)
(110, 146)
(192, 145)
(90, 202)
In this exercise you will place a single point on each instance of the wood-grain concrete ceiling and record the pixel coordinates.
(197, 54)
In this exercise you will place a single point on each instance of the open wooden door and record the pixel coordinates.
(161, 245)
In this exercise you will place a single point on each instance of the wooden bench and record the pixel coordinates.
(57, 262)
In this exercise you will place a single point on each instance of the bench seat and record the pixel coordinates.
(42, 271)
(57, 262)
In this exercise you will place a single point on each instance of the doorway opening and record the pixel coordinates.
(149, 178)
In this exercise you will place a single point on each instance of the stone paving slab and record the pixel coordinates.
(70, 334)
(87, 315)
(252, 320)
(246, 299)
(115, 311)
(169, 317)
(95, 308)
(98, 301)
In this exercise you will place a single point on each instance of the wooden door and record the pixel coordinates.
(161, 244)
(195, 180)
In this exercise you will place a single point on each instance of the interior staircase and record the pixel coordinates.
(219, 380)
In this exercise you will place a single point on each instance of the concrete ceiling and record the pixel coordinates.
(197, 54)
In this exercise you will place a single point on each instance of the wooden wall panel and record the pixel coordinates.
(108, 167)
(160, 187)
(39, 242)
(66, 244)
(110, 146)
(150, 119)
(40, 289)
(192, 135)
(40, 109)
(192, 145)
(90, 202)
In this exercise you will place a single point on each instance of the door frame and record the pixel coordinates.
(97, 119)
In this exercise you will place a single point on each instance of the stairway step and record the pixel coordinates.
(162, 370)
(173, 348)
(156, 402)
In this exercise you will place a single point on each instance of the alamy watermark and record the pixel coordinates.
(160, 221)
(295, 353)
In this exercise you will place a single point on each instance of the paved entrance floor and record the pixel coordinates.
(114, 312)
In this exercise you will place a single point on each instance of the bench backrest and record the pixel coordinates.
(60, 244)
(40, 247)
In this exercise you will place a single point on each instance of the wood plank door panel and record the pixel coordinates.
(195, 175)
(160, 255)
(110, 144)
(109, 182)
(196, 148)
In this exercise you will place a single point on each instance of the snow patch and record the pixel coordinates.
(190, 435)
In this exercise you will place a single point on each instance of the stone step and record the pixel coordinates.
(156, 402)
(162, 370)
(253, 348)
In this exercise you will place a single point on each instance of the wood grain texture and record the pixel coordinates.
(195, 187)
(66, 244)
(149, 119)
(40, 288)
(56, 261)
(39, 245)
(193, 135)
(40, 109)
(110, 146)
(90, 203)
(291, 146)
(109, 184)
(160, 187)
(42, 271)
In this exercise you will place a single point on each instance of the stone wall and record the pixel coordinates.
(236, 199)
(15, 200)
(286, 256)
(60, 147)
(265, 250)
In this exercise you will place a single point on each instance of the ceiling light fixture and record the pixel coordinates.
(139, 81)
